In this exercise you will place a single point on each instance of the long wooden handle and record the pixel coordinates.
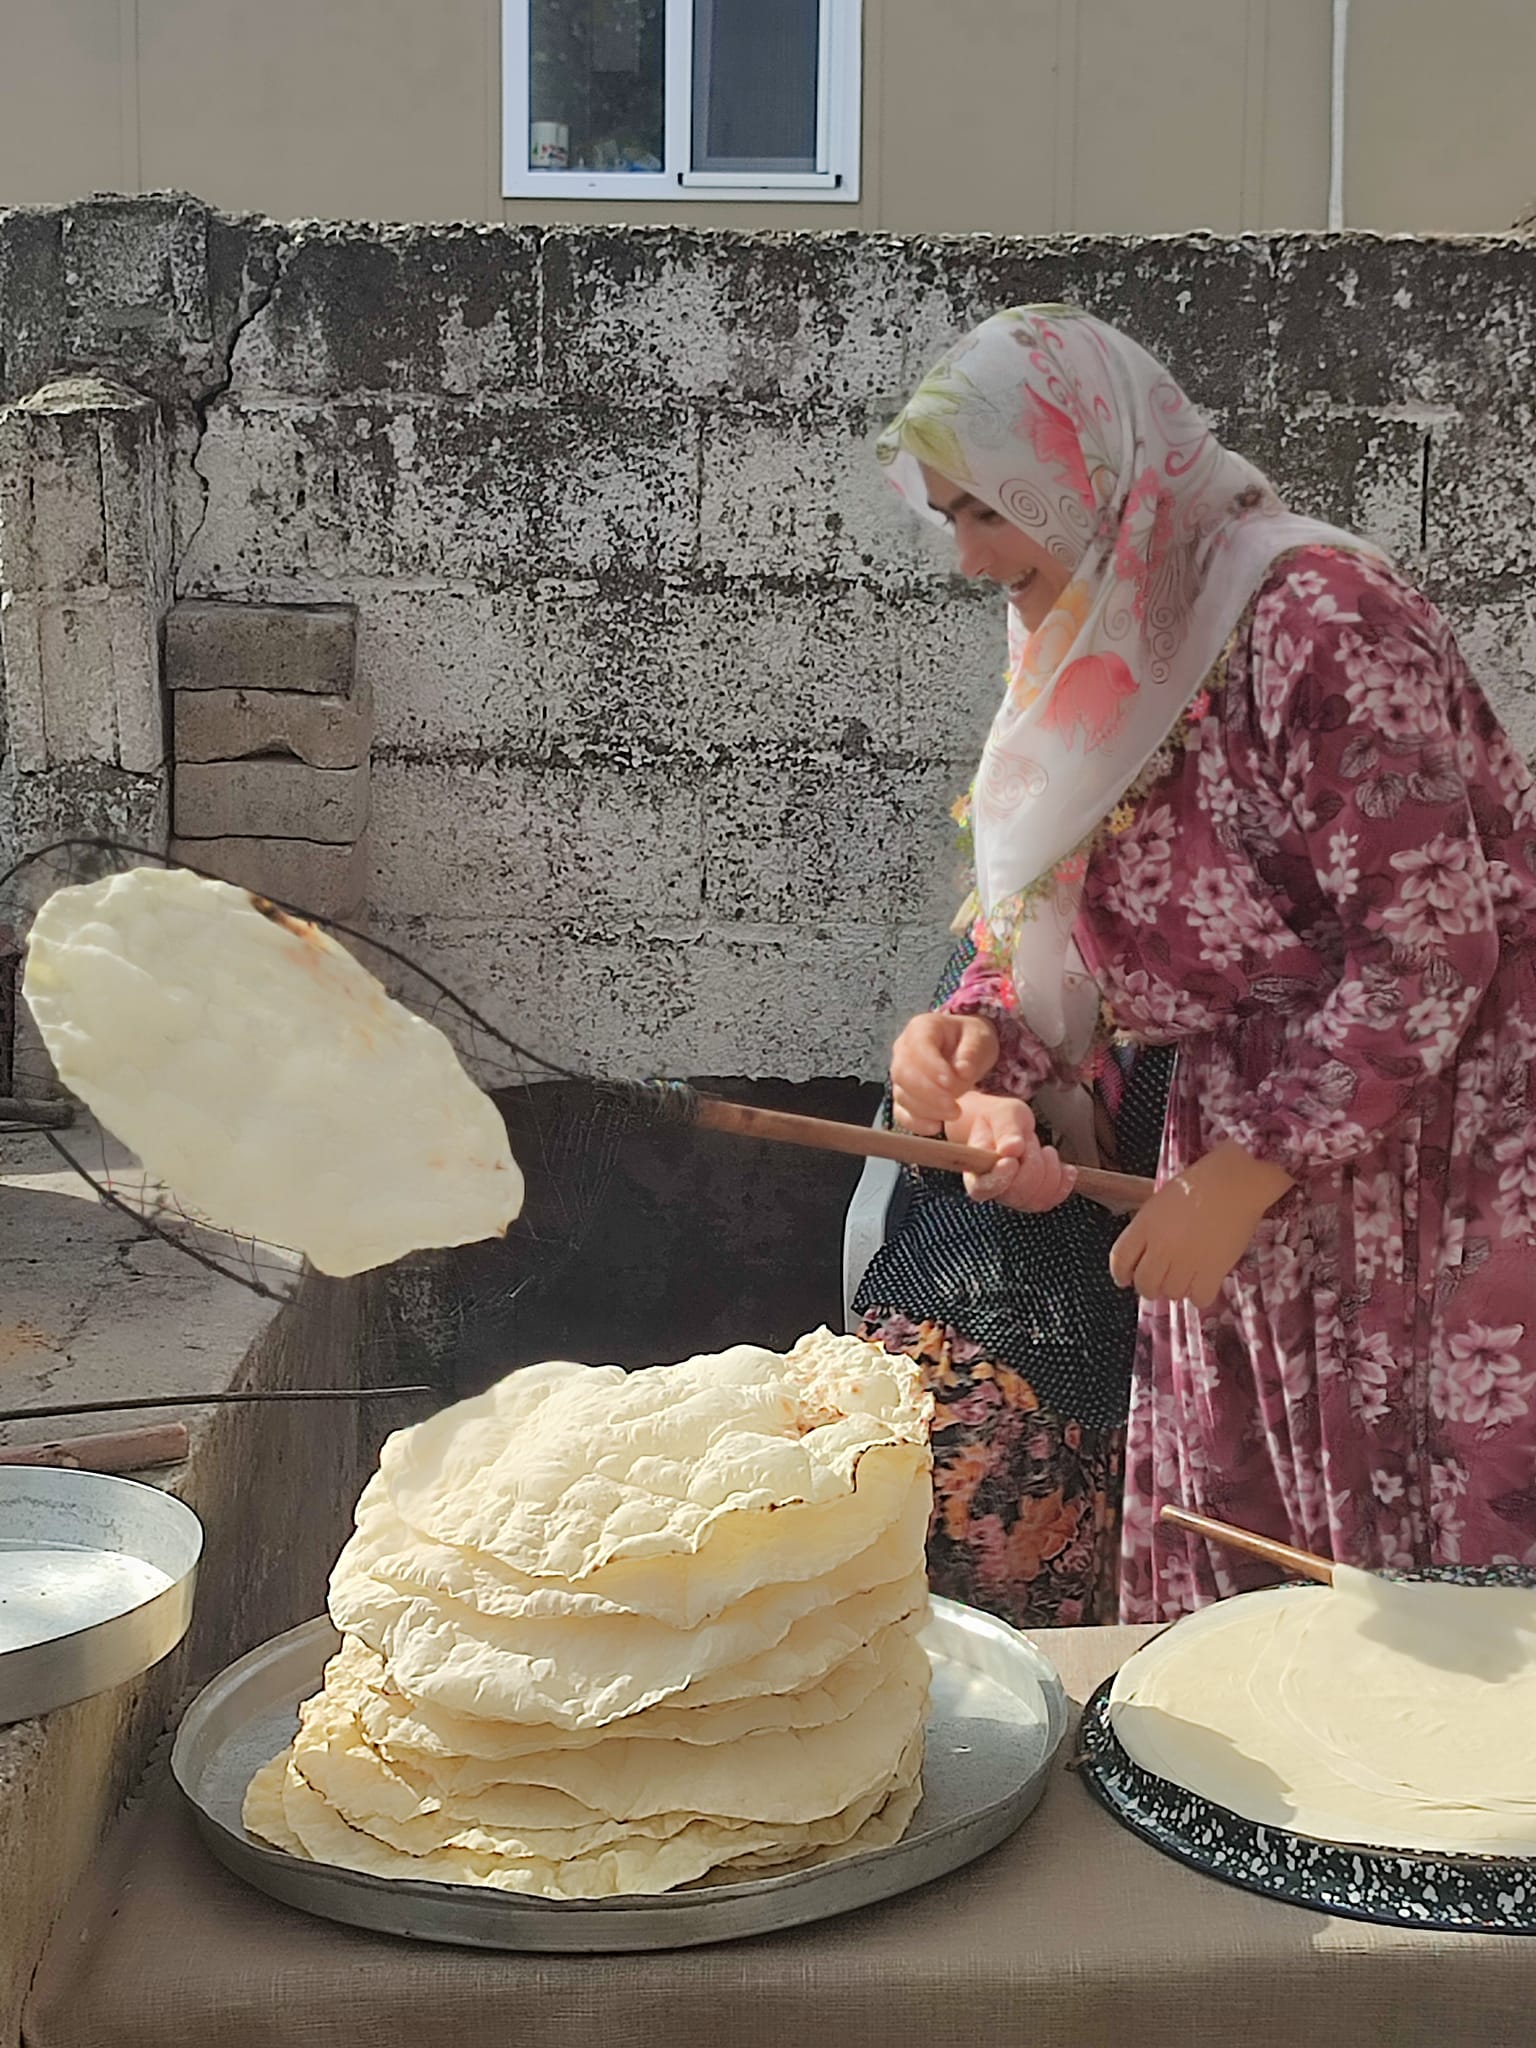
(123, 1450)
(818, 1134)
(1303, 1563)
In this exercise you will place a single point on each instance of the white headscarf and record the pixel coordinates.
(1085, 442)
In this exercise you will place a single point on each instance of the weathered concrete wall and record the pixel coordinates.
(670, 697)
(91, 1309)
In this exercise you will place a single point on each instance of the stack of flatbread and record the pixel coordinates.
(262, 1074)
(609, 1633)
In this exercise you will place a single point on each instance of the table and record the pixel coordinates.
(1072, 1935)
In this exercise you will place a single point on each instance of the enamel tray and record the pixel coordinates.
(1470, 1894)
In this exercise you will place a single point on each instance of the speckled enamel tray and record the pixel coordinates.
(1481, 1895)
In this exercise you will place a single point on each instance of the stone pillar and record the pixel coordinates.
(85, 582)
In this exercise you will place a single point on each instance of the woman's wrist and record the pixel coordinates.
(1255, 1183)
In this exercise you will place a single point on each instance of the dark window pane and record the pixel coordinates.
(754, 84)
(597, 71)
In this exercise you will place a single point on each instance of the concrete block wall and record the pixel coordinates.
(669, 696)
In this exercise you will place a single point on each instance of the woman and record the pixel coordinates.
(1026, 1344)
(1243, 797)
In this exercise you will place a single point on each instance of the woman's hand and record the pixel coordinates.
(934, 1062)
(1028, 1175)
(1188, 1238)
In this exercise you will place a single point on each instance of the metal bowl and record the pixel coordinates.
(96, 1581)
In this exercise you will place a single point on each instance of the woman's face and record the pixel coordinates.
(989, 545)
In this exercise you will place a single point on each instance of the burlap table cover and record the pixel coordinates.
(1072, 1935)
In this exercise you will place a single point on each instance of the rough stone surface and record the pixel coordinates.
(228, 725)
(483, 489)
(270, 800)
(438, 311)
(670, 697)
(287, 648)
(330, 881)
(88, 800)
(89, 1303)
(155, 287)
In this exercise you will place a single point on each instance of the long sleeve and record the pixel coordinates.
(1023, 1063)
(1370, 730)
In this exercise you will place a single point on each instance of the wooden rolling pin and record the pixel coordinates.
(123, 1450)
(1300, 1563)
(1114, 1190)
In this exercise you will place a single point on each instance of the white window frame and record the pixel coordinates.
(839, 126)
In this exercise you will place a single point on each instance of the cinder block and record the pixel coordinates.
(280, 647)
(21, 660)
(449, 309)
(232, 725)
(796, 493)
(270, 800)
(606, 840)
(79, 687)
(84, 492)
(52, 536)
(486, 491)
(137, 700)
(329, 881)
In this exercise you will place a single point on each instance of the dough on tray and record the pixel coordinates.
(1381, 1713)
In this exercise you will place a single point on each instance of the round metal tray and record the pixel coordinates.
(997, 1718)
(1470, 1894)
(96, 1581)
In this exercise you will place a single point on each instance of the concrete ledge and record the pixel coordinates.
(92, 1309)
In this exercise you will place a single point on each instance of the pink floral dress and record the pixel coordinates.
(1329, 906)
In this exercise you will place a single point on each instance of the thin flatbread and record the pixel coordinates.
(263, 1074)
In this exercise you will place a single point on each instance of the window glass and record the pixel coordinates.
(597, 85)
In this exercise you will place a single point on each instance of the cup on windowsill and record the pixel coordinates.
(549, 146)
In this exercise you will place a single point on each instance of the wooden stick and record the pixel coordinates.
(1300, 1562)
(47, 1413)
(817, 1134)
(123, 1450)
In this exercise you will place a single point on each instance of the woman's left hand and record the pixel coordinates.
(1188, 1238)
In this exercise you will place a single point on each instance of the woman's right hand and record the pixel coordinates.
(1028, 1175)
(938, 1059)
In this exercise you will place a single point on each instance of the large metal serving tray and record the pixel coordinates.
(96, 1581)
(998, 1716)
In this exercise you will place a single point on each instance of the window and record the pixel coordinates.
(665, 99)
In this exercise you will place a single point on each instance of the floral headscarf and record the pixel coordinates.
(1085, 442)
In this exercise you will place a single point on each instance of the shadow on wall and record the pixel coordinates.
(684, 1240)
